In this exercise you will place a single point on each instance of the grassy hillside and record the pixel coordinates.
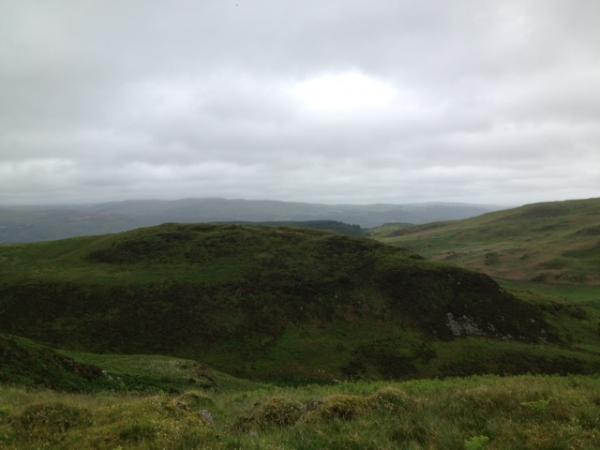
(279, 304)
(24, 363)
(27, 363)
(492, 413)
(555, 242)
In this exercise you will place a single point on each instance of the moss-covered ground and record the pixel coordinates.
(527, 412)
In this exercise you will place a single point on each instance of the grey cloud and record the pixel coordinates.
(493, 102)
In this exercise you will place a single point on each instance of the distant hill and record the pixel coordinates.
(557, 242)
(38, 223)
(276, 303)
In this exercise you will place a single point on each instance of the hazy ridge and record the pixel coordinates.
(41, 223)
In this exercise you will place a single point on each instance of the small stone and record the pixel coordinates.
(207, 416)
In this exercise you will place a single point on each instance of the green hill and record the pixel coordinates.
(556, 242)
(277, 303)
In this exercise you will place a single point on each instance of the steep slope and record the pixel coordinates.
(276, 303)
(42, 223)
(552, 242)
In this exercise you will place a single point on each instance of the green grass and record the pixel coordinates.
(583, 294)
(163, 372)
(24, 362)
(278, 304)
(175, 403)
(27, 363)
(263, 338)
(548, 242)
(575, 309)
(528, 412)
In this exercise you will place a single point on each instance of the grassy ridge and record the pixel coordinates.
(273, 304)
(556, 242)
(529, 412)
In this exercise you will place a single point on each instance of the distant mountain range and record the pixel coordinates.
(41, 223)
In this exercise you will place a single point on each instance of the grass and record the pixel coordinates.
(582, 295)
(576, 309)
(555, 242)
(308, 340)
(167, 373)
(277, 304)
(528, 412)
(26, 363)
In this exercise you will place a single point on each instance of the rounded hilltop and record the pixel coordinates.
(264, 302)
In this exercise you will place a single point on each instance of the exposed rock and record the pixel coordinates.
(463, 326)
(207, 416)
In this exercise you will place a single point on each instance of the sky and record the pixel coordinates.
(330, 101)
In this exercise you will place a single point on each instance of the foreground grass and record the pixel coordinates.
(527, 412)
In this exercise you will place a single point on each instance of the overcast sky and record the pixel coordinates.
(315, 100)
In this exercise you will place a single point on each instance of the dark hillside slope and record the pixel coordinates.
(261, 302)
(29, 364)
(556, 242)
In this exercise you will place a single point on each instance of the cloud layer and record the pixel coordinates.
(338, 101)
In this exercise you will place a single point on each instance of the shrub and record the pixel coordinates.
(340, 407)
(391, 399)
(273, 412)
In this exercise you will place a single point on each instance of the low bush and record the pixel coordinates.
(339, 407)
(273, 412)
(392, 400)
